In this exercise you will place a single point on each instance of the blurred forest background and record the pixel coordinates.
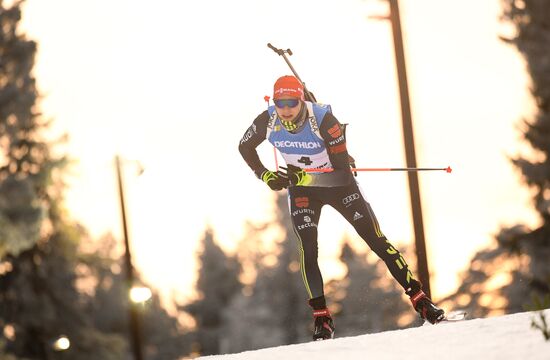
(58, 282)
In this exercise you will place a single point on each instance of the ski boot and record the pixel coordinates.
(324, 326)
(425, 307)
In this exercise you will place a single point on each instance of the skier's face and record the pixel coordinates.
(286, 112)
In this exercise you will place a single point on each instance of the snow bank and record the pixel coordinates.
(504, 337)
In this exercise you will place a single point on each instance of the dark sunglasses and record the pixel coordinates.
(281, 103)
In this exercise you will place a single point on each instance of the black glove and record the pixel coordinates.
(276, 181)
(297, 176)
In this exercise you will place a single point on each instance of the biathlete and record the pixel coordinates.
(308, 136)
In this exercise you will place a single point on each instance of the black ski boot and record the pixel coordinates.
(323, 325)
(425, 307)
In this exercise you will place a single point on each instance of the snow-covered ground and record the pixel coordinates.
(504, 337)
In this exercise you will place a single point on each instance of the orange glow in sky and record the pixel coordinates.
(174, 85)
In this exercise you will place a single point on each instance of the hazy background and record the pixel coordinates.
(174, 85)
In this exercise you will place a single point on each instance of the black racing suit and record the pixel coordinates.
(306, 203)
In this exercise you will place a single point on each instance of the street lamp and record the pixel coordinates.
(140, 294)
(62, 343)
(135, 328)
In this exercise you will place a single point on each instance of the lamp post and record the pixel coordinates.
(134, 324)
(410, 154)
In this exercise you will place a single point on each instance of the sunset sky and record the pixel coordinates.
(174, 85)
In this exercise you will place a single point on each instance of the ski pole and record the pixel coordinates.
(447, 169)
(308, 95)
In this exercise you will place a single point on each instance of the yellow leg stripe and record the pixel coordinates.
(302, 257)
(409, 277)
(375, 223)
(398, 262)
(303, 265)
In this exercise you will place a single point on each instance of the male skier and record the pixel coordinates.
(308, 136)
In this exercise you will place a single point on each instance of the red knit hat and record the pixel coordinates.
(288, 85)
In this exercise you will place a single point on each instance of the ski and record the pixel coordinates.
(457, 315)
(452, 316)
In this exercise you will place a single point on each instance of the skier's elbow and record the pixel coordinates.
(242, 148)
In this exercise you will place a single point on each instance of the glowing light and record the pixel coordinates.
(498, 281)
(9, 332)
(5, 267)
(139, 294)
(62, 343)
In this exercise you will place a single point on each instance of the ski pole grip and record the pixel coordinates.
(273, 48)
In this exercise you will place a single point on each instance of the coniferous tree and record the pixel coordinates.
(272, 310)
(289, 297)
(368, 299)
(500, 279)
(248, 320)
(25, 161)
(162, 336)
(38, 249)
(48, 286)
(217, 283)
(41, 263)
(493, 284)
(532, 22)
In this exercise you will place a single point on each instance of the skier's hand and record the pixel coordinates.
(297, 176)
(276, 181)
